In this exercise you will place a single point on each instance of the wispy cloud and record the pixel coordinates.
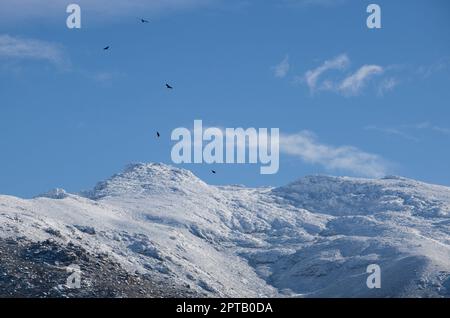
(442, 130)
(282, 69)
(353, 84)
(337, 63)
(387, 85)
(411, 131)
(430, 126)
(305, 146)
(102, 77)
(439, 66)
(392, 131)
(16, 49)
(350, 85)
(32, 49)
(383, 79)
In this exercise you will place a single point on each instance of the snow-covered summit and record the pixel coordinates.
(141, 178)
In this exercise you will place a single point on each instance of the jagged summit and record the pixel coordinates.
(141, 178)
(56, 193)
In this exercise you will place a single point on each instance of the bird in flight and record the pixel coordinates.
(213, 171)
(157, 134)
(106, 48)
(144, 21)
(168, 86)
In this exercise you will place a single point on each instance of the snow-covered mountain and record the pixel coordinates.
(160, 231)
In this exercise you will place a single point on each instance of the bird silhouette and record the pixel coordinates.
(213, 171)
(106, 48)
(157, 134)
(144, 21)
(168, 86)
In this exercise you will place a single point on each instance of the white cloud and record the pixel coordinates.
(350, 85)
(23, 48)
(353, 84)
(338, 63)
(282, 69)
(304, 145)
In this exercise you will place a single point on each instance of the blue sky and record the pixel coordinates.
(348, 100)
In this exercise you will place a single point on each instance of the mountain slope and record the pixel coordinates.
(314, 237)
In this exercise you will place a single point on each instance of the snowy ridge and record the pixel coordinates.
(314, 237)
(349, 196)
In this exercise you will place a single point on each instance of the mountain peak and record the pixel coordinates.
(144, 178)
